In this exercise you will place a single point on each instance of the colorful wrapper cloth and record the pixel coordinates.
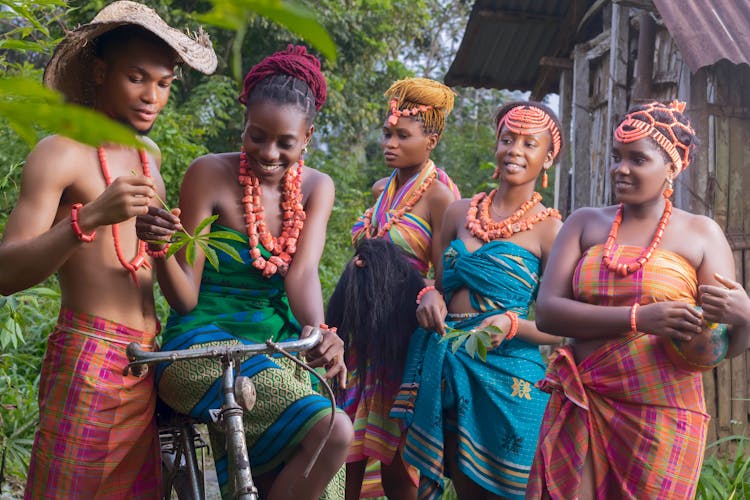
(97, 435)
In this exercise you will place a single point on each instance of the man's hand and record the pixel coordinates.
(125, 198)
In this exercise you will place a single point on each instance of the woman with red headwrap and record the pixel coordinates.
(278, 209)
(626, 417)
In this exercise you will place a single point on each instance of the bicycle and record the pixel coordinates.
(239, 396)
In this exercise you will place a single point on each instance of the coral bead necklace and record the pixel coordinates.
(624, 269)
(479, 221)
(396, 216)
(140, 258)
(293, 214)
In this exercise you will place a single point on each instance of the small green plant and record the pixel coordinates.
(208, 242)
(477, 341)
(725, 478)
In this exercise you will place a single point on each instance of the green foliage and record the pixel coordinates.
(295, 17)
(27, 319)
(725, 478)
(208, 242)
(27, 104)
(476, 342)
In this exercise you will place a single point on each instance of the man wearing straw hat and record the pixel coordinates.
(75, 216)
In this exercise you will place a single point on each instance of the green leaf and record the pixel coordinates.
(458, 342)
(26, 104)
(211, 256)
(204, 223)
(226, 235)
(233, 15)
(190, 252)
(22, 45)
(226, 248)
(176, 246)
(471, 345)
(482, 350)
(492, 329)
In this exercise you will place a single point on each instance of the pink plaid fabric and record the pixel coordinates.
(642, 419)
(97, 434)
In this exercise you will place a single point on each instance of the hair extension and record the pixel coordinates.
(374, 308)
(291, 77)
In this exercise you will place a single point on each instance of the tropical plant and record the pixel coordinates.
(725, 477)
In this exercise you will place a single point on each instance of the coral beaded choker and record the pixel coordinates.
(480, 223)
(624, 269)
(140, 258)
(284, 246)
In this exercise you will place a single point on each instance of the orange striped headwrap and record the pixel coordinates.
(643, 123)
(527, 119)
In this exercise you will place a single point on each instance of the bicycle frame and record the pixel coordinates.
(231, 412)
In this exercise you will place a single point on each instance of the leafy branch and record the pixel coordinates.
(477, 342)
(208, 242)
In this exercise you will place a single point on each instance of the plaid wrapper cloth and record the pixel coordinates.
(642, 419)
(97, 435)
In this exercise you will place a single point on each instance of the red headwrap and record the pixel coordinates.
(295, 62)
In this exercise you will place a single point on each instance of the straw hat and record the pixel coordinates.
(70, 69)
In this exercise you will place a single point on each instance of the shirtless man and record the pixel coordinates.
(75, 217)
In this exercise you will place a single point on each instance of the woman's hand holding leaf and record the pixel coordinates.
(162, 225)
(488, 335)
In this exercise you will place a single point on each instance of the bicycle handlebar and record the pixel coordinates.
(138, 356)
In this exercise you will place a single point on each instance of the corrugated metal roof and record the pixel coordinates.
(504, 41)
(707, 31)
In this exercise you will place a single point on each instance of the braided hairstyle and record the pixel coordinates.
(291, 76)
(428, 101)
(374, 310)
(547, 120)
(666, 126)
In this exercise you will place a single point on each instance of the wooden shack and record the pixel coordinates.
(601, 57)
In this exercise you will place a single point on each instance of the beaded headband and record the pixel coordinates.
(642, 123)
(396, 113)
(528, 120)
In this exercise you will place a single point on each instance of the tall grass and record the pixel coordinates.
(725, 477)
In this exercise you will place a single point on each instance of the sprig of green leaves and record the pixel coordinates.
(477, 341)
(208, 242)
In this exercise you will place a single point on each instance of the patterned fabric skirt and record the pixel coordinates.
(97, 433)
(642, 421)
(491, 406)
(286, 407)
(377, 436)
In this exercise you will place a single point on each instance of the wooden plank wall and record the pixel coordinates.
(720, 109)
